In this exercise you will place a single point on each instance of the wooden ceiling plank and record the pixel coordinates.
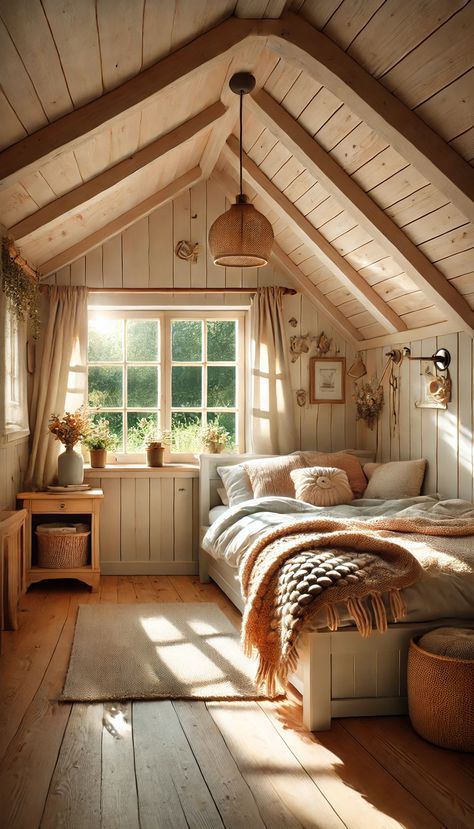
(348, 331)
(98, 185)
(296, 40)
(74, 126)
(369, 215)
(303, 228)
(121, 222)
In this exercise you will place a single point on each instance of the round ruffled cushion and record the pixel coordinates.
(322, 486)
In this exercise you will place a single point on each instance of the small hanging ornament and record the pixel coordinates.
(187, 251)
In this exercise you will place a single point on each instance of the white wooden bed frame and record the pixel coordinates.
(339, 674)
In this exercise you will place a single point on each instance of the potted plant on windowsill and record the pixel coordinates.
(155, 447)
(214, 437)
(99, 441)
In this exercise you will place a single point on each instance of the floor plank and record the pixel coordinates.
(74, 795)
(162, 753)
(233, 798)
(165, 764)
(446, 785)
(363, 792)
(119, 803)
(285, 794)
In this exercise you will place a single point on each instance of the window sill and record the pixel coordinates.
(141, 470)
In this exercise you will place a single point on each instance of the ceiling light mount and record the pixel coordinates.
(241, 237)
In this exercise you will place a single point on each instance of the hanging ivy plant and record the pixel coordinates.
(21, 290)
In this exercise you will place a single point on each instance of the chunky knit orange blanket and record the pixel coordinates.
(293, 571)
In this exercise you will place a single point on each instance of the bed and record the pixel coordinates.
(339, 673)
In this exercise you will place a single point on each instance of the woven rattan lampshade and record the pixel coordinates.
(242, 237)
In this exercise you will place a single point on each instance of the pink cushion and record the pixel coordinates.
(341, 460)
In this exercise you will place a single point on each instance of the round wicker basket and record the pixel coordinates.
(440, 698)
(59, 550)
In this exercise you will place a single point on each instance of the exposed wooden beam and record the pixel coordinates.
(121, 222)
(333, 260)
(295, 39)
(72, 128)
(340, 322)
(63, 205)
(406, 337)
(350, 195)
(15, 257)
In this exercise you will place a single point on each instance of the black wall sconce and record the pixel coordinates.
(441, 358)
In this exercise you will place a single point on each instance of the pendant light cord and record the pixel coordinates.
(240, 140)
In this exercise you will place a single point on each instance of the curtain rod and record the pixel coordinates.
(180, 290)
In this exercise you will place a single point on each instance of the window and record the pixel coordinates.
(13, 409)
(171, 370)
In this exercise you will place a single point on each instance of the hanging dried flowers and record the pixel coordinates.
(21, 290)
(368, 398)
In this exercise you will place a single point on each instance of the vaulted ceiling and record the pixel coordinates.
(359, 137)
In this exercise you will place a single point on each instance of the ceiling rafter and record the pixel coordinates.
(98, 185)
(343, 325)
(330, 257)
(352, 197)
(296, 40)
(120, 223)
(72, 128)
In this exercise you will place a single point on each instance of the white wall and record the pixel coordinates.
(143, 256)
(443, 437)
(13, 461)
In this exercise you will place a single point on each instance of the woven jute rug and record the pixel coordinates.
(157, 651)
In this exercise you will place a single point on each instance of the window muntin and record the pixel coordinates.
(173, 370)
(124, 371)
(204, 379)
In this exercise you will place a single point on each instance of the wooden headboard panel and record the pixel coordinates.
(209, 480)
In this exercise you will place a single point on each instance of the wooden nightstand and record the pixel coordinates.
(75, 507)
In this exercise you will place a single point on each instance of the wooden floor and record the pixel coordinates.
(243, 765)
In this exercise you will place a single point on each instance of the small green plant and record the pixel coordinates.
(214, 437)
(100, 436)
(21, 290)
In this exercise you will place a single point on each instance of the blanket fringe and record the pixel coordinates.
(380, 614)
(332, 617)
(397, 605)
(361, 616)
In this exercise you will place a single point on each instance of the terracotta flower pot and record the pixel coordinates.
(154, 455)
(98, 458)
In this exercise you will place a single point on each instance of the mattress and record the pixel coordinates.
(445, 590)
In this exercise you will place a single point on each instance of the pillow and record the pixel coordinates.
(236, 483)
(397, 479)
(369, 469)
(223, 495)
(341, 460)
(271, 476)
(323, 486)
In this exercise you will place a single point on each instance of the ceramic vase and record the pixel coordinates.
(70, 467)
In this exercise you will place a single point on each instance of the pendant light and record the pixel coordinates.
(242, 237)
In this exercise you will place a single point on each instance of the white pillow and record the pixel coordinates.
(223, 495)
(396, 479)
(322, 486)
(236, 483)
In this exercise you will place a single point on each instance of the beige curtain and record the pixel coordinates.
(60, 377)
(272, 420)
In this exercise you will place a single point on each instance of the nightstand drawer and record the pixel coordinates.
(68, 505)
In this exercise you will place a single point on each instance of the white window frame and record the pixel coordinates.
(166, 317)
(14, 405)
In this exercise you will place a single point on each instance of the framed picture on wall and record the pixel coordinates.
(326, 379)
